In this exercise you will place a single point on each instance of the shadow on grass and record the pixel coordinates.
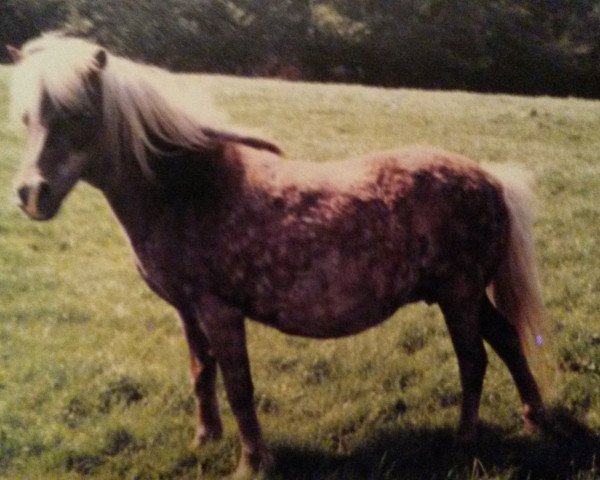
(567, 450)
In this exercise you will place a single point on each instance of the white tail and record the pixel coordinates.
(516, 288)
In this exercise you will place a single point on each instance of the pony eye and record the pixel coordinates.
(25, 119)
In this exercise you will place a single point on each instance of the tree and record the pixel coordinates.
(23, 19)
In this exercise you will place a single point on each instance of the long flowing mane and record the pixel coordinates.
(142, 105)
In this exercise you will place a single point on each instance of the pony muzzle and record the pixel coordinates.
(35, 200)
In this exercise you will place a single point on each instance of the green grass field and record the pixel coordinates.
(93, 367)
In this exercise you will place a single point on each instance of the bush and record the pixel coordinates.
(532, 46)
(23, 19)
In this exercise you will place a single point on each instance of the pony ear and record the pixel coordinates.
(15, 53)
(101, 58)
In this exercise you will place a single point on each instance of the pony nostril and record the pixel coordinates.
(35, 197)
(43, 191)
(23, 193)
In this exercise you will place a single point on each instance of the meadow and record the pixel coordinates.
(93, 367)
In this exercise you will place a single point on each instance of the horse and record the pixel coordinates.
(224, 228)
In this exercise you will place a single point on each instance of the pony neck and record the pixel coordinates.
(183, 181)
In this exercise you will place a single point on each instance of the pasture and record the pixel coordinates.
(93, 367)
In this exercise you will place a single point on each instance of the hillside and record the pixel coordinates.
(93, 367)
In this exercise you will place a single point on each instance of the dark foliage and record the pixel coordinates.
(23, 19)
(531, 46)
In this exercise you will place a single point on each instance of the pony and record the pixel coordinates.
(223, 229)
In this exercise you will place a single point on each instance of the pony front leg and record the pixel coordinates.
(203, 369)
(225, 330)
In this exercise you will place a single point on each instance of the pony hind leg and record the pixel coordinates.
(463, 324)
(504, 339)
(203, 369)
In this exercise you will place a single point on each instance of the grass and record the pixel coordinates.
(93, 367)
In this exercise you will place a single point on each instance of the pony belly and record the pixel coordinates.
(317, 320)
(344, 306)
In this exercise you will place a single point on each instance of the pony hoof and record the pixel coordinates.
(205, 436)
(253, 465)
(534, 420)
(467, 434)
(466, 442)
(466, 438)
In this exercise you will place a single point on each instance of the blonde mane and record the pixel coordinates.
(140, 102)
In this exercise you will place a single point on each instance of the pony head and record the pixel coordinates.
(88, 112)
(58, 99)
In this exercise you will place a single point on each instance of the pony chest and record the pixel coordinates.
(169, 266)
